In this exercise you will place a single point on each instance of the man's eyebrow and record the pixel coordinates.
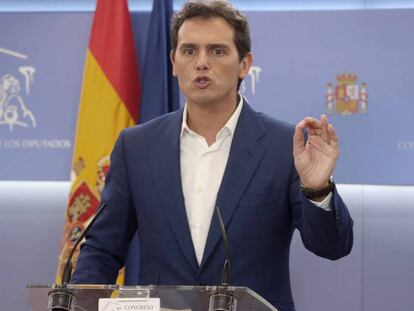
(217, 45)
(187, 46)
(209, 46)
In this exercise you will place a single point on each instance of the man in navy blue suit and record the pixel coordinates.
(167, 176)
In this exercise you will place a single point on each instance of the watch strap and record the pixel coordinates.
(312, 193)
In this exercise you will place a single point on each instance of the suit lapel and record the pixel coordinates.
(245, 155)
(165, 164)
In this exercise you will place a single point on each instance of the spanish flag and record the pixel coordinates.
(109, 102)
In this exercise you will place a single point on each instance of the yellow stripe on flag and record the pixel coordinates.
(102, 116)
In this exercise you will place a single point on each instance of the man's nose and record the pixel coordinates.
(202, 62)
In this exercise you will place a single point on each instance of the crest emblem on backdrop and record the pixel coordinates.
(346, 97)
(14, 89)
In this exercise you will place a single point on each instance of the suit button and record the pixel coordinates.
(338, 220)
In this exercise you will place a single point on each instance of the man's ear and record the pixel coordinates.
(172, 59)
(245, 65)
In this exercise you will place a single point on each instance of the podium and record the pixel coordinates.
(183, 298)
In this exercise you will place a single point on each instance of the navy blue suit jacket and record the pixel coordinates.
(259, 198)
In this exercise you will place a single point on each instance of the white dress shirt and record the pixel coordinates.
(202, 169)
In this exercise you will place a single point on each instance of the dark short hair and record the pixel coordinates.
(209, 9)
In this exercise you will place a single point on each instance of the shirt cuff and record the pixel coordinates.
(325, 204)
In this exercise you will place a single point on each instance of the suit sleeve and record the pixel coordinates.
(106, 245)
(328, 234)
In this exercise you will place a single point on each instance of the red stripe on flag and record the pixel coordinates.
(113, 46)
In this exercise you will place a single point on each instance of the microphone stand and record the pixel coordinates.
(223, 299)
(61, 298)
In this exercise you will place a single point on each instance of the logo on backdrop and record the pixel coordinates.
(346, 97)
(254, 77)
(14, 90)
(406, 145)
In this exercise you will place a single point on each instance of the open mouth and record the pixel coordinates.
(201, 82)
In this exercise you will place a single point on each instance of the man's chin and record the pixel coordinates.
(202, 100)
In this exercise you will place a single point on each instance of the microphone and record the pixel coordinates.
(61, 299)
(67, 271)
(223, 299)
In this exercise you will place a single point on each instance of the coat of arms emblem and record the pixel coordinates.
(347, 97)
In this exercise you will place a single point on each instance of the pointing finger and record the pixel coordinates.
(325, 131)
(332, 135)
